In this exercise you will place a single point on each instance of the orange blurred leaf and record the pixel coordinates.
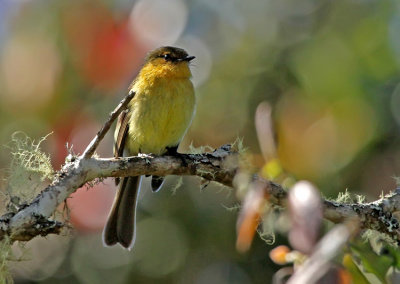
(249, 216)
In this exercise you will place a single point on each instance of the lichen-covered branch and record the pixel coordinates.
(374, 215)
(216, 166)
(219, 166)
(377, 215)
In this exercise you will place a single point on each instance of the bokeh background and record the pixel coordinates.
(329, 69)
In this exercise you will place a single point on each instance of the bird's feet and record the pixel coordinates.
(173, 151)
(146, 157)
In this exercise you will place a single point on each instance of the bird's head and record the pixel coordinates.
(168, 61)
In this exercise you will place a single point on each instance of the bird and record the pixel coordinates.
(155, 122)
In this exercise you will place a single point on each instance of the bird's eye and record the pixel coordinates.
(167, 57)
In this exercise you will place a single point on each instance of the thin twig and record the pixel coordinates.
(91, 148)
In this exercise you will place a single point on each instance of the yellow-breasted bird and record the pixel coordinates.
(154, 122)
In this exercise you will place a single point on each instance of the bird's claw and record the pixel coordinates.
(146, 157)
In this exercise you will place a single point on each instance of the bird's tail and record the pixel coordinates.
(156, 183)
(121, 223)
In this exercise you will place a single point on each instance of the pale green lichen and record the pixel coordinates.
(205, 173)
(360, 199)
(377, 240)
(30, 167)
(5, 255)
(233, 208)
(245, 161)
(266, 230)
(177, 185)
(347, 198)
(344, 197)
(199, 150)
(267, 237)
(238, 146)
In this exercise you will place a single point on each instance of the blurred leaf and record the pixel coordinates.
(395, 254)
(357, 276)
(371, 45)
(265, 132)
(304, 202)
(378, 265)
(382, 245)
(249, 216)
(327, 78)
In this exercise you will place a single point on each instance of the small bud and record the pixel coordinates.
(278, 254)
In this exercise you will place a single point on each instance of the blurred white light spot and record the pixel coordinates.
(201, 65)
(159, 22)
(303, 191)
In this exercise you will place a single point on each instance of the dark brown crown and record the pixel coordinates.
(169, 53)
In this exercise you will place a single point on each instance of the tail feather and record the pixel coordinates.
(120, 226)
(156, 183)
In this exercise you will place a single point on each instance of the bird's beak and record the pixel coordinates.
(188, 58)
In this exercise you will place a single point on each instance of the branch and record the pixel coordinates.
(376, 215)
(219, 166)
(78, 170)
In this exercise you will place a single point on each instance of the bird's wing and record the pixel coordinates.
(120, 137)
(121, 133)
